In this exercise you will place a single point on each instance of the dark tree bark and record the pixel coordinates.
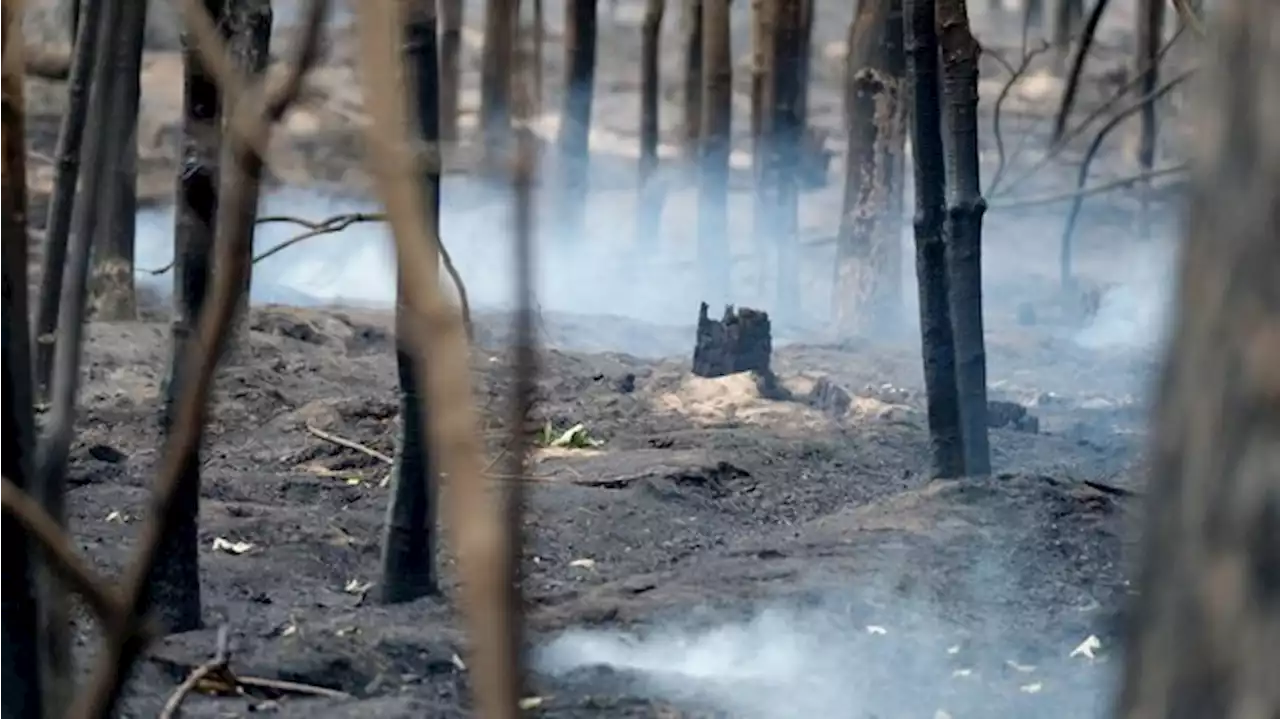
(740, 342)
(495, 79)
(175, 580)
(1067, 17)
(693, 20)
(805, 62)
(575, 114)
(62, 199)
(98, 191)
(713, 166)
(111, 289)
(648, 218)
(452, 13)
(786, 143)
(409, 539)
(19, 618)
(963, 229)
(1150, 39)
(1204, 634)
(539, 45)
(937, 343)
(762, 73)
(868, 281)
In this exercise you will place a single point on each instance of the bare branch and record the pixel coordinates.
(1123, 182)
(1077, 69)
(350, 444)
(1014, 76)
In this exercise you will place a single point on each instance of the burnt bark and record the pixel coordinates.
(112, 295)
(868, 276)
(1204, 627)
(409, 538)
(1150, 39)
(175, 579)
(713, 166)
(937, 343)
(962, 229)
(740, 342)
(62, 198)
(452, 13)
(495, 79)
(785, 142)
(575, 114)
(649, 212)
(19, 617)
(693, 61)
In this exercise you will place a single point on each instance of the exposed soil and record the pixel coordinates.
(704, 504)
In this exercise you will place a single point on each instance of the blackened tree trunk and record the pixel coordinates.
(1067, 16)
(19, 639)
(452, 13)
(175, 579)
(575, 114)
(693, 60)
(539, 45)
(963, 229)
(111, 291)
(249, 22)
(62, 199)
(937, 344)
(650, 207)
(764, 14)
(1203, 632)
(805, 61)
(868, 281)
(785, 141)
(495, 79)
(98, 190)
(1150, 39)
(409, 538)
(713, 166)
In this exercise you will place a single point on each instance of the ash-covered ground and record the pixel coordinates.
(716, 552)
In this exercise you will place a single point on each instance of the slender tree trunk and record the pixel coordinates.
(1204, 633)
(575, 114)
(805, 62)
(963, 229)
(693, 82)
(452, 13)
(713, 175)
(786, 133)
(1033, 16)
(249, 22)
(936, 340)
(175, 580)
(762, 128)
(1067, 16)
(62, 199)
(409, 540)
(495, 79)
(19, 618)
(1150, 38)
(868, 283)
(111, 289)
(539, 45)
(648, 219)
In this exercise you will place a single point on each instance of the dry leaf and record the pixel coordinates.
(530, 703)
(1087, 648)
(229, 547)
(355, 586)
(583, 563)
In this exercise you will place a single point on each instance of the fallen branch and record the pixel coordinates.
(216, 666)
(350, 444)
(285, 687)
(1018, 203)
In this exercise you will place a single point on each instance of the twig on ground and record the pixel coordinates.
(1015, 75)
(216, 666)
(1018, 203)
(249, 129)
(350, 444)
(285, 687)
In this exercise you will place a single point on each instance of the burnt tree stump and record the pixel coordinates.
(741, 342)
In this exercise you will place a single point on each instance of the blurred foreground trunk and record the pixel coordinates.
(1204, 634)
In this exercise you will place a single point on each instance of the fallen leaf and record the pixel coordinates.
(583, 563)
(355, 586)
(1087, 648)
(117, 516)
(229, 547)
(457, 662)
(530, 703)
(874, 629)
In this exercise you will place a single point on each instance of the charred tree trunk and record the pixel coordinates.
(648, 219)
(62, 199)
(249, 22)
(805, 62)
(575, 114)
(762, 135)
(495, 79)
(693, 82)
(409, 541)
(19, 618)
(713, 174)
(740, 342)
(937, 343)
(539, 45)
(1067, 16)
(1203, 632)
(452, 14)
(98, 191)
(1150, 39)
(111, 294)
(175, 579)
(785, 139)
(963, 229)
(868, 282)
